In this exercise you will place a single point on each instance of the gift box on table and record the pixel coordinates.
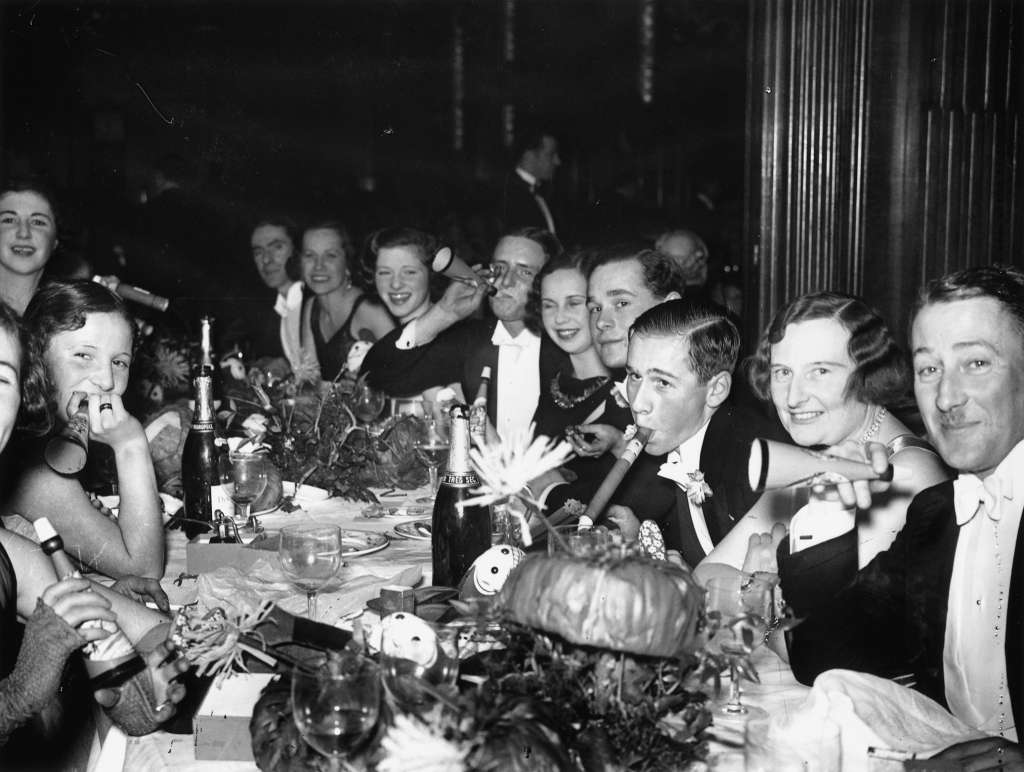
(222, 722)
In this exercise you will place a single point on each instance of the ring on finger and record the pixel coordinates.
(106, 406)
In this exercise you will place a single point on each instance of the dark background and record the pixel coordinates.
(344, 109)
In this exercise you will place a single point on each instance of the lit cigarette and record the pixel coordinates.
(888, 754)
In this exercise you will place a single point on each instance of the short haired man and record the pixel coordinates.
(273, 243)
(431, 350)
(946, 600)
(678, 376)
(536, 154)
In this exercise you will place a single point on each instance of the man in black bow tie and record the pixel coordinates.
(946, 601)
(524, 202)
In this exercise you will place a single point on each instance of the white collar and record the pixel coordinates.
(526, 177)
(999, 484)
(525, 339)
(289, 301)
(688, 452)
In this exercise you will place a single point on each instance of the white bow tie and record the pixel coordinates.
(502, 337)
(970, 491)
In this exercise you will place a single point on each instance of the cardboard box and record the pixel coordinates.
(222, 721)
(202, 558)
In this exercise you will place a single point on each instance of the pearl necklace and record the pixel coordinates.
(876, 424)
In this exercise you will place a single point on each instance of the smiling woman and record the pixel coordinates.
(28, 236)
(338, 314)
(829, 366)
(80, 343)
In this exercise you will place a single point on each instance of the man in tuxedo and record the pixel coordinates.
(946, 601)
(445, 345)
(523, 202)
(678, 377)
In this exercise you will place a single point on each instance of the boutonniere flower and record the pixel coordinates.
(620, 395)
(697, 489)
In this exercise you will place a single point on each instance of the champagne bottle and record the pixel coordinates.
(109, 661)
(200, 459)
(206, 363)
(459, 533)
(478, 411)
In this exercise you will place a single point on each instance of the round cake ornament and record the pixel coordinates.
(489, 571)
(406, 636)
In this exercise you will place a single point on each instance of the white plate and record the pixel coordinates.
(356, 543)
(308, 494)
(417, 529)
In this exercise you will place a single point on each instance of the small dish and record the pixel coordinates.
(417, 529)
(376, 511)
(308, 494)
(357, 543)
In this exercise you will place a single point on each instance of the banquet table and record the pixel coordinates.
(778, 691)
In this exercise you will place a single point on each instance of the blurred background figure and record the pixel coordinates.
(525, 202)
(28, 237)
(274, 243)
(690, 254)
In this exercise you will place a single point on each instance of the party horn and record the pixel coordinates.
(66, 451)
(138, 295)
(448, 263)
(780, 465)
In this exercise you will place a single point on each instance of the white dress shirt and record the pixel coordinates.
(289, 308)
(530, 180)
(518, 379)
(974, 649)
(680, 462)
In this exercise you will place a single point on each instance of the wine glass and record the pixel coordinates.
(336, 704)
(245, 483)
(310, 556)
(367, 402)
(739, 611)
(419, 662)
(432, 449)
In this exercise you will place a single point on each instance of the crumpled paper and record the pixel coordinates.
(871, 711)
(345, 595)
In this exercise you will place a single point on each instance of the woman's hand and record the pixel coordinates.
(859, 493)
(592, 440)
(73, 601)
(143, 590)
(150, 698)
(762, 551)
(109, 421)
(624, 519)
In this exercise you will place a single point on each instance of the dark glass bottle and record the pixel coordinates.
(459, 533)
(200, 458)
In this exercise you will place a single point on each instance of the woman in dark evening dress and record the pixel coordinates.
(338, 314)
(582, 395)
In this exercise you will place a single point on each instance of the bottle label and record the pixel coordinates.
(460, 479)
(220, 499)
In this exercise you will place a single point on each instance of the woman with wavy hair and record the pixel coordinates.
(830, 367)
(80, 342)
(338, 314)
(28, 237)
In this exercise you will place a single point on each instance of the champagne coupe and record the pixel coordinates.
(432, 449)
(336, 704)
(367, 403)
(245, 484)
(739, 610)
(310, 556)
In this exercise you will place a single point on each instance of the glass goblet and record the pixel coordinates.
(432, 449)
(310, 556)
(336, 705)
(739, 610)
(419, 662)
(245, 483)
(367, 403)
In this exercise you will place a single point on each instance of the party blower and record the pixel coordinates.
(780, 465)
(66, 452)
(448, 263)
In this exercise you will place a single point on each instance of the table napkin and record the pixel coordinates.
(872, 711)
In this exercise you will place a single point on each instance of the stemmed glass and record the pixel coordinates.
(245, 483)
(432, 449)
(336, 705)
(419, 663)
(310, 556)
(367, 402)
(739, 610)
